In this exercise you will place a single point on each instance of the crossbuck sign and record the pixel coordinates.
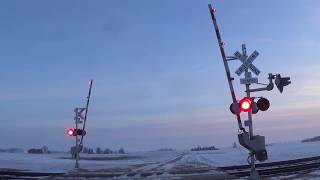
(247, 63)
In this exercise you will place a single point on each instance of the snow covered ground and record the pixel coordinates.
(164, 161)
(276, 152)
(62, 162)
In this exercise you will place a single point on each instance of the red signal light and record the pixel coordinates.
(245, 104)
(76, 132)
(70, 132)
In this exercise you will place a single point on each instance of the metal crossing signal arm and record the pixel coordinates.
(224, 58)
(86, 112)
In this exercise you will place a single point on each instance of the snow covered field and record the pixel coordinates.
(276, 152)
(164, 161)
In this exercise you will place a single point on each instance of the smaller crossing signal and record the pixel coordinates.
(76, 132)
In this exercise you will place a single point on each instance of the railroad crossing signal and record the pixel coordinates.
(254, 143)
(76, 132)
(246, 104)
(79, 131)
(247, 62)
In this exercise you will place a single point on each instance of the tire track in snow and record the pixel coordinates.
(149, 170)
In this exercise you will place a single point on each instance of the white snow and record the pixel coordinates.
(35, 162)
(163, 160)
(276, 152)
(59, 163)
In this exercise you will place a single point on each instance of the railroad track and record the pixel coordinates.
(276, 168)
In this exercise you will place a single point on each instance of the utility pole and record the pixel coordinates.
(254, 143)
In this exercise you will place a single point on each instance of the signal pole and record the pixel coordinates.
(254, 173)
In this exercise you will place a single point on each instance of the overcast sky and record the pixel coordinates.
(158, 76)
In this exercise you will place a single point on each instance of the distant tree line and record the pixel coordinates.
(314, 139)
(166, 149)
(98, 150)
(43, 150)
(109, 151)
(199, 148)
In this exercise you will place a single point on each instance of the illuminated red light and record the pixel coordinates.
(245, 104)
(70, 132)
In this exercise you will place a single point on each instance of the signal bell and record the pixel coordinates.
(281, 82)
